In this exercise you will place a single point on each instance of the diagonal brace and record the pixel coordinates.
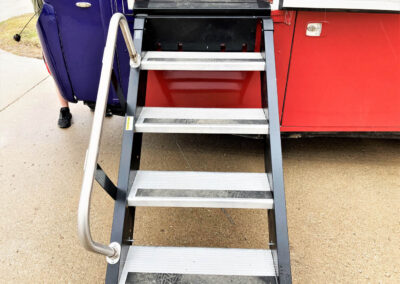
(105, 182)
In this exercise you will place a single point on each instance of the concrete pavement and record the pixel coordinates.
(14, 8)
(18, 75)
(342, 198)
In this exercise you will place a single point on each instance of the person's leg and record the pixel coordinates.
(65, 117)
(63, 102)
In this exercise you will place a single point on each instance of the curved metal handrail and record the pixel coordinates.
(112, 251)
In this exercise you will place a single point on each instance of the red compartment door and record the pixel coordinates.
(348, 79)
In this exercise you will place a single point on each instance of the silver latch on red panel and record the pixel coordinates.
(314, 29)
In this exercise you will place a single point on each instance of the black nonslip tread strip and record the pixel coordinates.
(245, 194)
(166, 278)
(205, 121)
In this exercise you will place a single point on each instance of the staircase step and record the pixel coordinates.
(201, 7)
(197, 265)
(200, 189)
(203, 61)
(202, 120)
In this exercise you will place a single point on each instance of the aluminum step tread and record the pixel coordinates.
(203, 61)
(200, 189)
(198, 261)
(202, 120)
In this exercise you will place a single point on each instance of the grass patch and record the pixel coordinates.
(29, 45)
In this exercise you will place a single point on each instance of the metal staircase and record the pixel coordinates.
(137, 264)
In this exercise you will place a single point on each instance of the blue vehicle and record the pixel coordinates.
(73, 37)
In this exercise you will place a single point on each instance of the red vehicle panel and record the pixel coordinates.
(283, 36)
(348, 78)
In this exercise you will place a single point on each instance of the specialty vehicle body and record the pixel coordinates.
(227, 67)
(337, 63)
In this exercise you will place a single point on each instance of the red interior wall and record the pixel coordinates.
(347, 79)
(222, 89)
(203, 89)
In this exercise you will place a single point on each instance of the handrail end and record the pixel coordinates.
(135, 61)
(117, 253)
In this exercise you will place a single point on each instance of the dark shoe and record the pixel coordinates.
(64, 120)
(109, 112)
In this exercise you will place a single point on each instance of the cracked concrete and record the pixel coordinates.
(18, 75)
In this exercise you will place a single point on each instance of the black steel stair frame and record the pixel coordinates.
(124, 216)
(123, 219)
(279, 240)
